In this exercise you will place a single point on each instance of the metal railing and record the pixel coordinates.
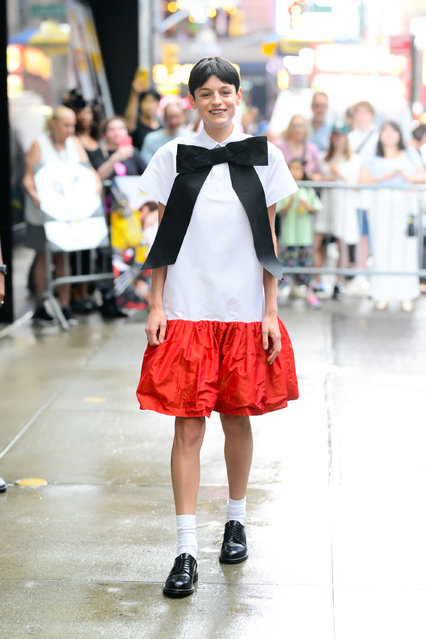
(406, 207)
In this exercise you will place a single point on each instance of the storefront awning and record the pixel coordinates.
(50, 36)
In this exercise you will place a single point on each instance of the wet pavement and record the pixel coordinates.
(336, 522)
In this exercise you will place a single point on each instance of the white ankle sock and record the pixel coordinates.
(187, 535)
(236, 510)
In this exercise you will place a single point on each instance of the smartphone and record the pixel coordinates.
(126, 141)
(142, 76)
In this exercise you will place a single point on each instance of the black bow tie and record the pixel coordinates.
(248, 152)
(193, 164)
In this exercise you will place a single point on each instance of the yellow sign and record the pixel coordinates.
(170, 55)
(37, 63)
(269, 48)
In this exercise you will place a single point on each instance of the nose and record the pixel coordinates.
(217, 98)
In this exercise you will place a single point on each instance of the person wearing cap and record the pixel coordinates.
(338, 216)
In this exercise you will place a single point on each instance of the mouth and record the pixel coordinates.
(217, 111)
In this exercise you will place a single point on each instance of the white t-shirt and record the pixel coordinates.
(217, 275)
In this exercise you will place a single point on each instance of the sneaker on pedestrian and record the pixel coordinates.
(42, 318)
(407, 306)
(312, 299)
(67, 313)
(318, 287)
(337, 292)
(298, 291)
(381, 305)
(3, 485)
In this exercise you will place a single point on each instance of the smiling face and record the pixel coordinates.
(216, 102)
(63, 125)
(115, 133)
(389, 136)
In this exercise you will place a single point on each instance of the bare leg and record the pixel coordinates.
(185, 462)
(62, 269)
(342, 261)
(40, 276)
(319, 254)
(238, 453)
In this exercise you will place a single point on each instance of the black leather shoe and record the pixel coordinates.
(182, 577)
(234, 546)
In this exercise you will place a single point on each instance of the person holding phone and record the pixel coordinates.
(116, 154)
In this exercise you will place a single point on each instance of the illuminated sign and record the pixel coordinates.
(37, 63)
(15, 58)
(348, 58)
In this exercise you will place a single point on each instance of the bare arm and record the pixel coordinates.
(132, 108)
(32, 158)
(106, 170)
(157, 321)
(418, 177)
(270, 328)
(366, 177)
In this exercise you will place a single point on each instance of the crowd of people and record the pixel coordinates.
(364, 227)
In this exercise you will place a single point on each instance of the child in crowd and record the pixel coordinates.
(338, 217)
(215, 342)
(295, 241)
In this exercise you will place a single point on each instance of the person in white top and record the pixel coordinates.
(215, 342)
(57, 144)
(338, 216)
(363, 140)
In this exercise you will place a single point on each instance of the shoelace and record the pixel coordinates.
(183, 564)
(234, 532)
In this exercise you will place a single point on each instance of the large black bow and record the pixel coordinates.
(193, 164)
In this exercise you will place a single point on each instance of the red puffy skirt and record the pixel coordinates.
(210, 366)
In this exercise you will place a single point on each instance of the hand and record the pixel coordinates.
(123, 153)
(303, 204)
(334, 170)
(156, 327)
(140, 82)
(271, 333)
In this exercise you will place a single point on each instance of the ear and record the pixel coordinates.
(239, 95)
(191, 101)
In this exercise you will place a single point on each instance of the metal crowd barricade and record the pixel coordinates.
(100, 262)
(412, 196)
(74, 223)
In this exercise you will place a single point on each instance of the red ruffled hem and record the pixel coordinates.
(216, 366)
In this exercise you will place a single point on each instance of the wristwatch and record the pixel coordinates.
(3, 269)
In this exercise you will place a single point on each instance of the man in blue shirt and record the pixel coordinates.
(174, 120)
(320, 127)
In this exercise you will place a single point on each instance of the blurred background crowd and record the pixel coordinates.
(340, 88)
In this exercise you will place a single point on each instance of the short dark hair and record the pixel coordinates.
(149, 92)
(206, 67)
(419, 132)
